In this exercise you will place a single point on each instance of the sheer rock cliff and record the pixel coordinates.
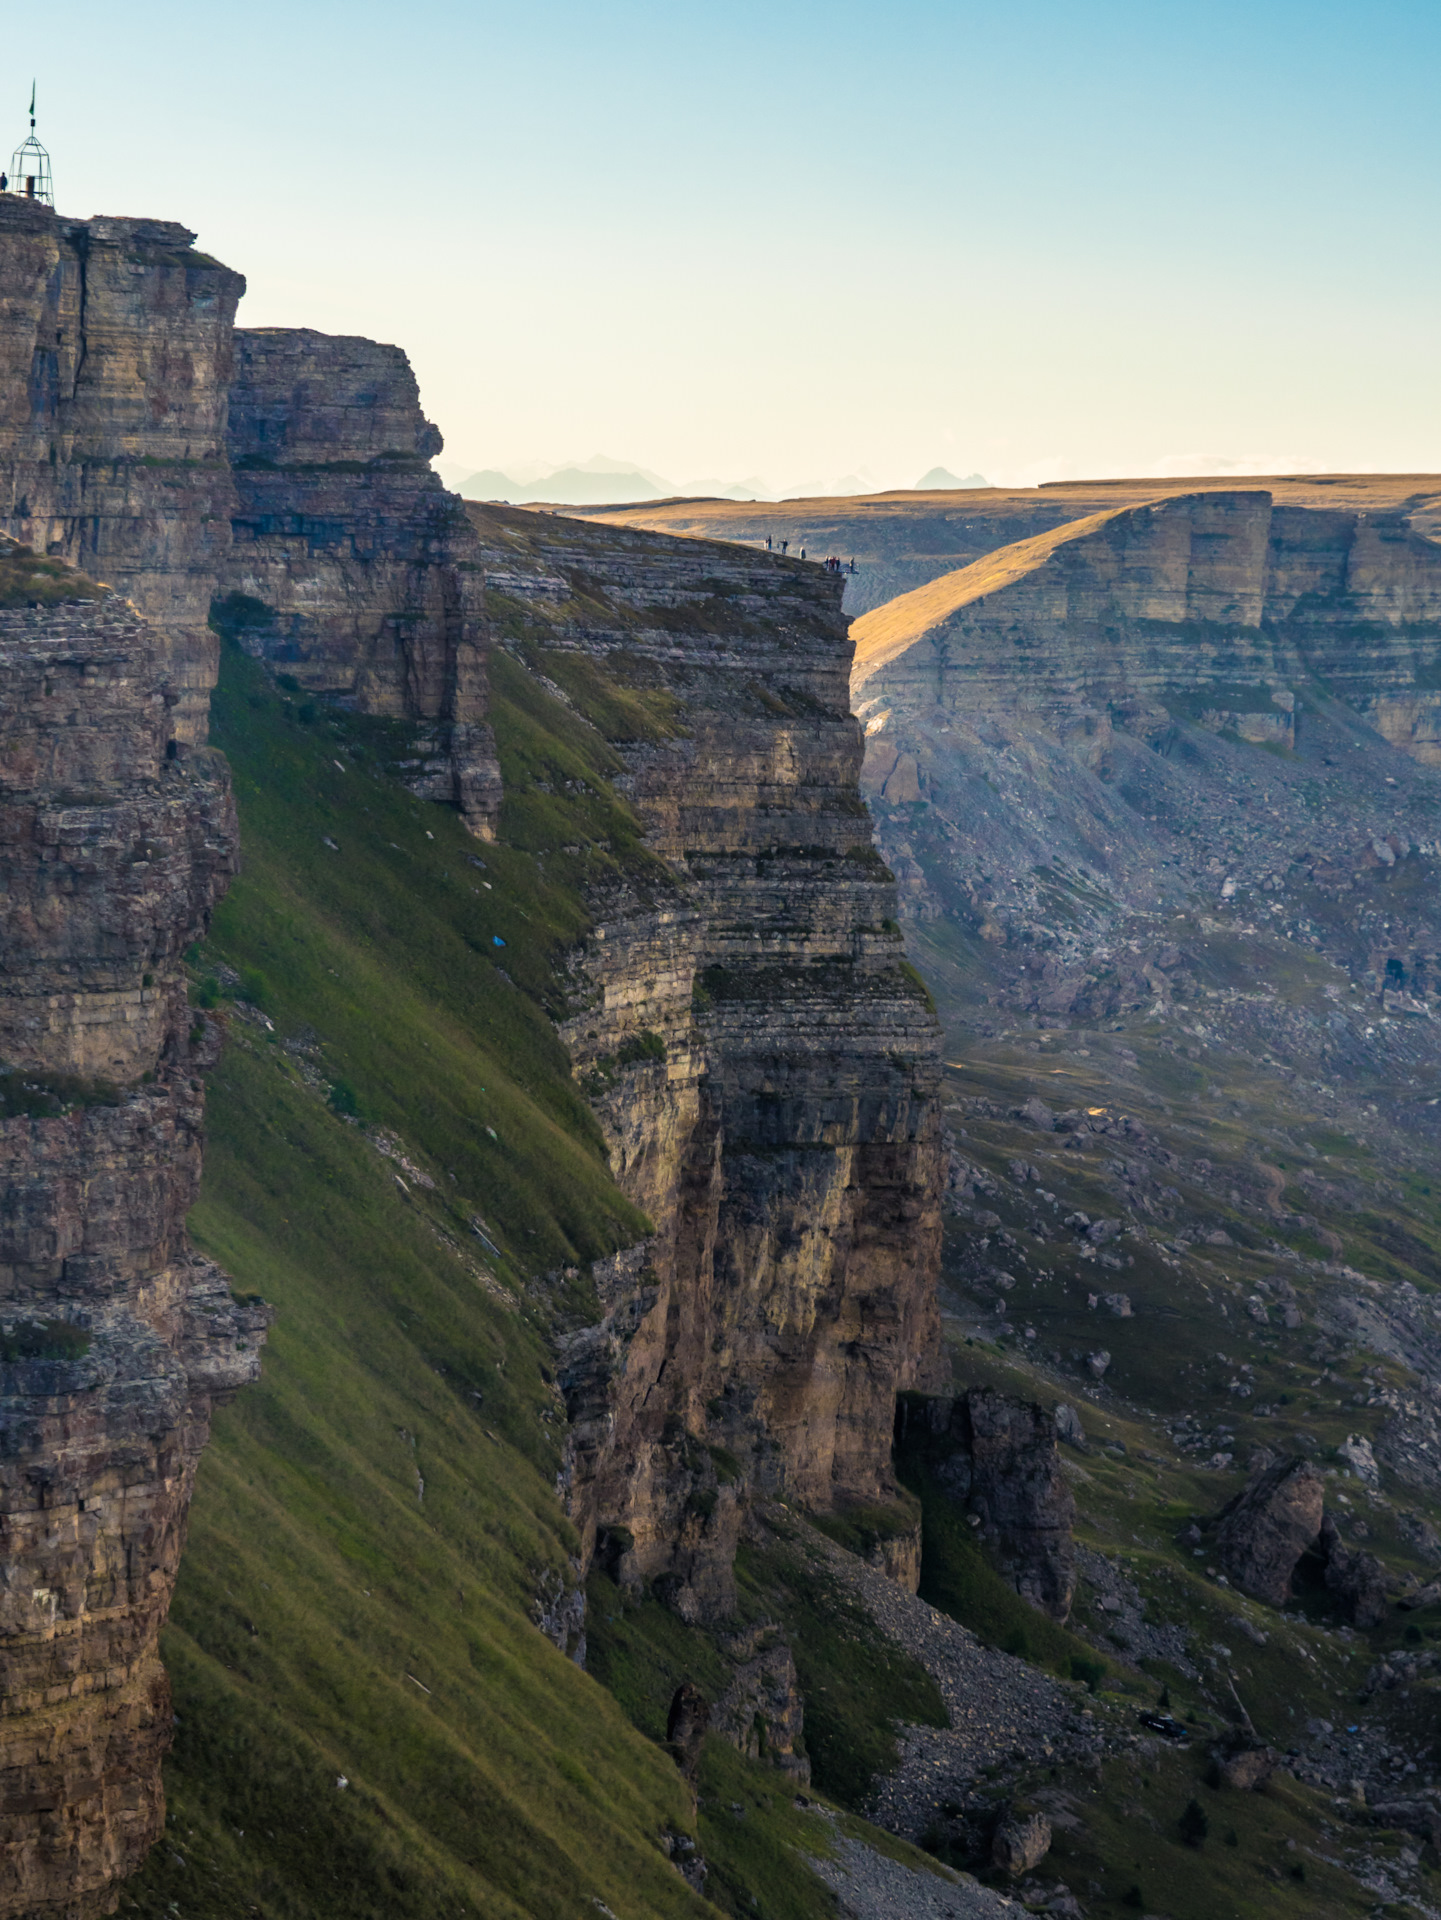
(116, 1340)
(1224, 600)
(360, 570)
(146, 442)
(115, 357)
(765, 1066)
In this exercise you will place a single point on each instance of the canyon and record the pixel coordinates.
(615, 1179)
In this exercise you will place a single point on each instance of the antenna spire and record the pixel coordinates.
(32, 106)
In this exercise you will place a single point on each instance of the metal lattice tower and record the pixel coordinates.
(30, 166)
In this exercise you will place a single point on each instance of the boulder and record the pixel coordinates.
(1265, 1530)
(1247, 1765)
(1021, 1842)
(1358, 1580)
(686, 1726)
(1069, 1428)
(1355, 1453)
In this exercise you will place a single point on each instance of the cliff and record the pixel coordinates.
(905, 538)
(355, 570)
(764, 1066)
(115, 1340)
(115, 359)
(1220, 594)
(144, 441)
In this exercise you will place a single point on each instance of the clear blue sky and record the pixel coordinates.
(1053, 237)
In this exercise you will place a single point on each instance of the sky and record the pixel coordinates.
(1051, 239)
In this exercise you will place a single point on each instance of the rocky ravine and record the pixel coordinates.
(115, 1339)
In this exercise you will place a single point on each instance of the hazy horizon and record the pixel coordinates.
(1076, 241)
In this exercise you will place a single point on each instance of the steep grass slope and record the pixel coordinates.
(369, 1721)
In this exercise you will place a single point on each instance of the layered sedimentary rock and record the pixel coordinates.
(115, 344)
(766, 1067)
(1223, 602)
(353, 569)
(115, 1339)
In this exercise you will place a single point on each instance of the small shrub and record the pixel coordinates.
(641, 1047)
(45, 1340)
(345, 1101)
(207, 994)
(1194, 1825)
(1093, 1672)
(254, 987)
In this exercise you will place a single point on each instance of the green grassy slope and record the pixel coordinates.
(373, 1520)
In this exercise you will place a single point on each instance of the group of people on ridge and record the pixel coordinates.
(833, 564)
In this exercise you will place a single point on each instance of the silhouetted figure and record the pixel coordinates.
(803, 553)
(768, 543)
(853, 563)
(685, 1727)
(4, 183)
(785, 545)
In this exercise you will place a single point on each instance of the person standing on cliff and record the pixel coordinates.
(768, 543)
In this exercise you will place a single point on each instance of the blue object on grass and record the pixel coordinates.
(496, 940)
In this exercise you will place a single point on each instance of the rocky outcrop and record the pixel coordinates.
(115, 1339)
(115, 345)
(764, 1066)
(998, 1459)
(1358, 1580)
(761, 1711)
(353, 570)
(1265, 1530)
(1021, 1841)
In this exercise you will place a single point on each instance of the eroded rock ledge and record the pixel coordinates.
(115, 1338)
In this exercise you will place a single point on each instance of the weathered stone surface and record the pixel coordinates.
(362, 571)
(1116, 618)
(114, 846)
(115, 343)
(686, 1726)
(998, 1459)
(787, 1144)
(1358, 1580)
(761, 1711)
(1265, 1530)
(1246, 1764)
(1021, 1842)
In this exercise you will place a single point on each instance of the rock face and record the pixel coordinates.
(1223, 599)
(355, 571)
(998, 1459)
(303, 487)
(761, 1711)
(1358, 1580)
(766, 1069)
(1268, 1526)
(115, 345)
(115, 1339)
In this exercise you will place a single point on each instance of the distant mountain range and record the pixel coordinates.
(938, 479)
(603, 481)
